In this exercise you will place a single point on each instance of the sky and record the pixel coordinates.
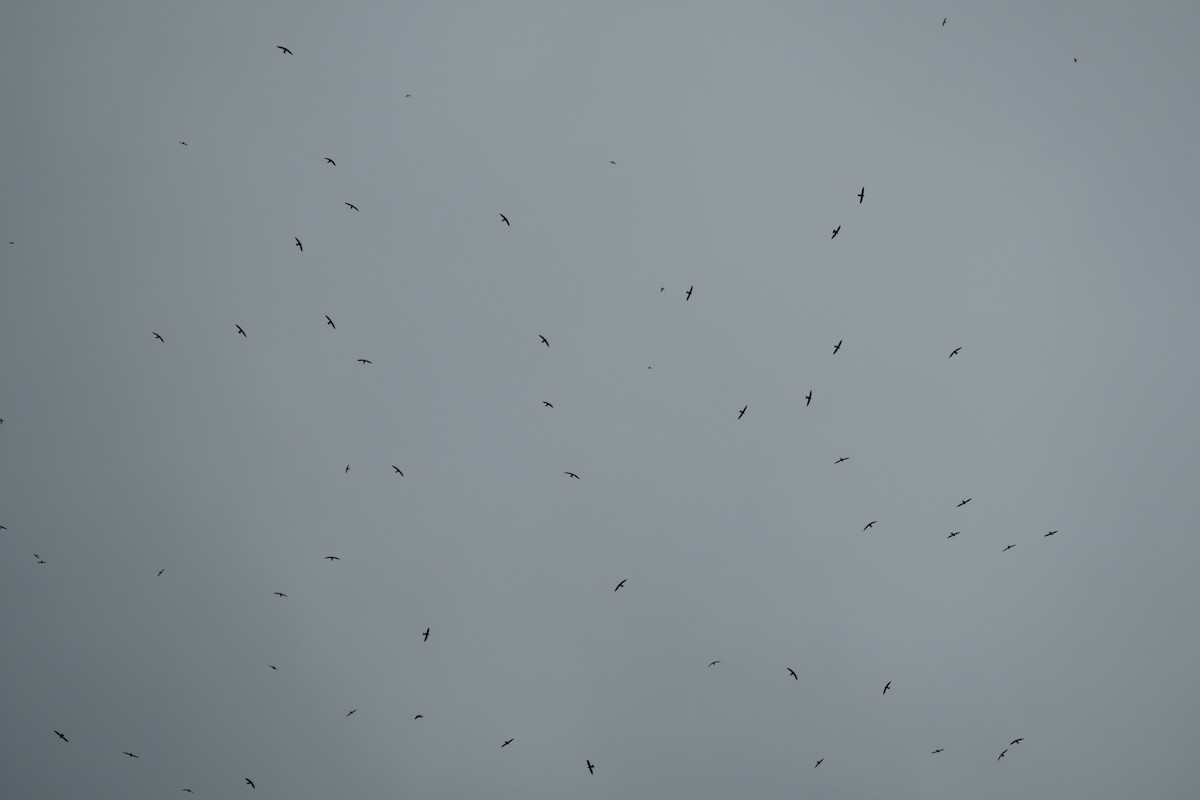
(1027, 175)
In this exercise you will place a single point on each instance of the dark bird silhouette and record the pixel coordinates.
(1051, 533)
(622, 583)
(836, 231)
(419, 716)
(239, 327)
(944, 22)
(935, 752)
(1002, 752)
(861, 192)
(352, 206)
(272, 666)
(330, 160)
(60, 735)
(351, 711)
(843, 458)
(298, 244)
(793, 672)
(713, 663)
(742, 412)
(426, 635)
(688, 293)
(819, 760)
(284, 49)
(954, 352)
(506, 222)
(347, 469)
(547, 404)
(953, 534)
(279, 594)
(837, 347)
(332, 558)
(1076, 60)
(160, 572)
(131, 755)
(1016, 741)
(963, 503)
(572, 474)
(870, 524)
(329, 322)
(545, 341)
(887, 686)
(398, 471)
(41, 561)
(363, 361)
(808, 398)
(160, 338)
(507, 743)
(612, 162)
(185, 144)
(251, 783)
(1010, 547)
(591, 767)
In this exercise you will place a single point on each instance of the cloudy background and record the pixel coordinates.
(1035, 211)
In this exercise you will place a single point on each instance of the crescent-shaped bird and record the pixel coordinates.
(1010, 547)
(279, 594)
(935, 752)
(507, 742)
(954, 352)
(622, 583)
(284, 49)
(352, 206)
(964, 502)
(688, 293)
(819, 760)
(591, 767)
(426, 635)
(547, 404)
(713, 663)
(329, 322)
(887, 686)
(793, 673)
(837, 347)
(401, 474)
(239, 329)
(363, 361)
(332, 558)
(160, 338)
(131, 755)
(251, 783)
(1051, 533)
(870, 524)
(742, 412)
(808, 398)
(351, 711)
(572, 474)
(835, 232)
(953, 534)
(1016, 741)
(506, 222)
(545, 341)
(330, 160)
(60, 735)
(843, 458)
(1002, 752)
(298, 244)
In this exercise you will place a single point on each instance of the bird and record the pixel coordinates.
(837, 347)
(713, 663)
(963, 503)
(398, 470)
(870, 524)
(284, 49)
(742, 412)
(612, 162)
(622, 583)
(506, 222)
(185, 144)
(843, 458)
(426, 635)
(41, 561)
(159, 337)
(887, 686)
(545, 341)
(507, 743)
(298, 244)
(347, 469)
(1076, 60)
(1002, 752)
(547, 404)
(160, 572)
(953, 534)
(272, 666)
(239, 327)
(793, 672)
(131, 755)
(819, 760)
(1016, 741)
(1010, 547)
(352, 206)
(835, 232)
(351, 711)
(419, 716)
(944, 22)
(329, 322)
(572, 474)
(935, 752)
(688, 293)
(1051, 533)
(332, 558)
(61, 736)
(954, 352)
(363, 361)
(330, 160)
(591, 767)
(808, 398)
(861, 192)
(279, 594)
(252, 786)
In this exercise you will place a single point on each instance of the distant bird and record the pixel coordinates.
(793, 672)
(870, 524)
(352, 206)
(591, 767)
(279, 594)
(547, 404)
(612, 162)
(808, 398)
(401, 474)
(330, 160)
(843, 458)
(507, 743)
(713, 663)
(954, 352)
(1002, 752)
(688, 293)
(506, 222)
(572, 474)
(837, 347)
(351, 711)
(742, 412)
(41, 561)
(1051, 533)
(622, 583)
(272, 666)
(332, 558)
(347, 469)
(953, 534)
(329, 322)
(819, 760)
(887, 686)
(60, 735)
(861, 192)
(836, 231)
(545, 341)
(298, 244)
(160, 338)
(419, 716)
(426, 635)
(239, 327)
(185, 144)
(363, 361)
(1016, 741)
(131, 755)
(284, 49)
(943, 22)
(160, 572)
(963, 503)
(252, 786)
(1076, 60)
(935, 752)
(1010, 547)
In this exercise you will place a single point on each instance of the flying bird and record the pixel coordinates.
(1051, 533)
(363, 361)
(332, 558)
(870, 524)
(298, 244)
(963, 503)
(953, 534)
(352, 206)
(1010, 547)
(591, 767)
(835, 232)
(545, 341)
(60, 735)
(272, 666)
(742, 412)
(837, 347)
(284, 49)
(419, 716)
(351, 711)
(330, 160)
(861, 192)
(819, 760)
(329, 322)
(507, 743)
(426, 635)
(1016, 741)
(808, 398)
(185, 144)
(954, 352)
(131, 755)
(280, 594)
(160, 338)
(347, 469)
(935, 752)
(843, 458)
(547, 404)
(160, 572)
(398, 470)
(506, 222)
(713, 663)
(572, 474)
(252, 786)
(239, 327)
(793, 672)
(943, 22)
(1002, 752)
(622, 583)
(887, 686)
(688, 293)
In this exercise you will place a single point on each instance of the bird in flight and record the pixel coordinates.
(819, 760)
(545, 341)
(398, 470)
(160, 572)
(351, 711)
(843, 458)
(363, 361)
(1010, 547)
(836, 231)
(39, 560)
(332, 558)
(185, 144)
(352, 206)
(713, 663)
(272, 666)
(160, 338)
(547, 404)
(239, 327)
(870, 524)
(506, 222)
(944, 22)
(963, 503)
(1051, 533)
(887, 686)
(688, 293)
(330, 160)
(793, 672)
(419, 716)
(329, 322)
(837, 347)
(953, 534)
(347, 469)
(279, 594)
(131, 755)
(591, 767)
(298, 244)
(284, 49)
(954, 352)
(60, 735)
(1002, 752)
(1016, 741)
(426, 635)
(251, 783)
(622, 583)
(808, 398)
(507, 743)
(742, 412)
(861, 192)
(935, 752)
(572, 474)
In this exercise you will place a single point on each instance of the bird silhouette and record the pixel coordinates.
(953, 534)
(279, 594)
(272, 666)
(330, 160)
(363, 361)
(793, 672)
(352, 206)
(185, 144)
(713, 663)
(160, 338)
(506, 222)
(507, 742)
(963, 503)
(808, 398)
(944, 22)
(572, 474)
(239, 329)
(861, 192)
(351, 711)
(688, 293)
(426, 635)
(591, 767)
(1002, 752)
(332, 558)
(1010, 547)
(131, 755)
(160, 572)
(622, 583)
(401, 474)
(836, 231)
(1051, 533)
(284, 49)
(1016, 741)
(545, 341)
(329, 322)
(819, 760)
(935, 752)
(347, 469)
(870, 524)
(742, 412)
(298, 243)
(837, 347)
(954, 352)
(547, 404)
(61, 736)
(251, 783)
(887, 686)
(419, 716)
(843, 458)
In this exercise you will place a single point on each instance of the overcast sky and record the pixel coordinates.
(1035, 211)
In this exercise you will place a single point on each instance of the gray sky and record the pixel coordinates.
(1035, 211)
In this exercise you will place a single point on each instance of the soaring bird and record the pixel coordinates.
(1016, 741)
(239, 327)
(284, 49)
(545, 341)
(351, 711)
(252, 786)
(808, 398)
(60, 735)
(861, 192)
(506, 222)
(944, 22)
(160, 572)
(688, 293)
(298, 244)
(713, 663)
(622, 583)
(507, 742)
(330, 160)
(185, 144)
(836, 231)
(363, 361)
(347, 469)
(843, 458)
(352, 206)
(398, 470)
(572, 474)
(870, 524)
(1010, 547)
(1051, 533)
(742, 412)
(591, 767)
(953, 534)
(160, 338)
(547, 404)
(419, 716)
(329, 322)
(887, 686)
(279, 594)
(1002, 752)
(935, 752)
(837, 347)
(426, 635)
(819, 760)
(793, 672)
(131, 755)
(963, 503)
(954, 352)
(332, 558)
(272, 666)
